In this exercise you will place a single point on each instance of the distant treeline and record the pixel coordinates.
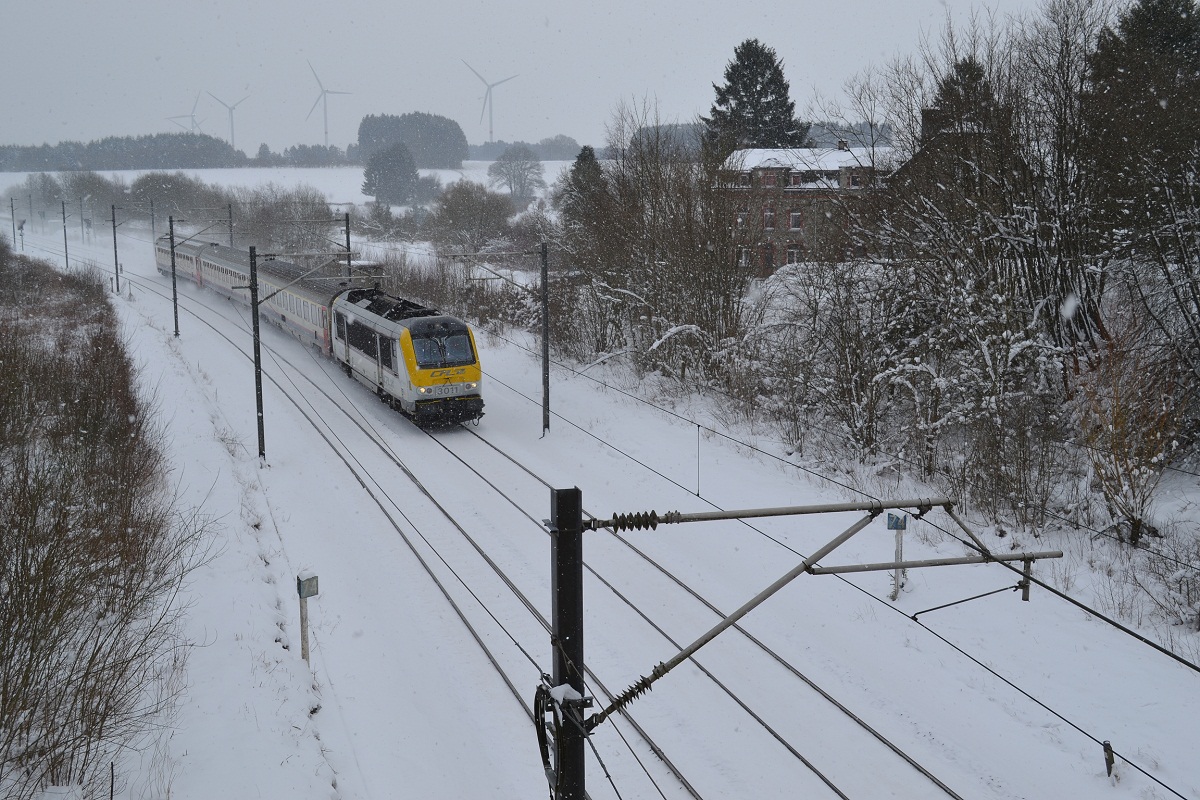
(158, 151)
(553, 148)
(163, 151)
(185, 150)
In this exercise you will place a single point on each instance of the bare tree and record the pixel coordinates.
(656, 233)
(518, 170)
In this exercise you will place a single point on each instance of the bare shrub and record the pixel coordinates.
(92, 553)
(1171, 579)
(1130, 411)
(291, 219)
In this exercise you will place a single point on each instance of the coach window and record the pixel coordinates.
(362, 338)
(339, 321)
(385, 354)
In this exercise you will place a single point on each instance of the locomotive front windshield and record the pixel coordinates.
(434, 352)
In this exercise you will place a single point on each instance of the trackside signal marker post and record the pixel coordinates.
(306, 587)
(566, 775)
(897, 523)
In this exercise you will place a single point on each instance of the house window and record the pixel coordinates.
(767, 256)
(743, 179)
(797, 179)
(769, 217)
(793, 254)
(768, 178)
(855, 181)
(742, 215)
(743, 256)
(795, 219)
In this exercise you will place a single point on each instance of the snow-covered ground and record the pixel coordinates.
(994, 698)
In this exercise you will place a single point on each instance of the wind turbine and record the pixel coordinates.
(323, 99)
(195, 126)
(231, 108)
(487, 98)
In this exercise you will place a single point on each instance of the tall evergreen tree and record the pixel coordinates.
(752, 108)
(1142, 116)
(391, 175)
(580, 193)
(1143, 107)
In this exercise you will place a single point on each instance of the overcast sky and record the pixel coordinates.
(82, 70)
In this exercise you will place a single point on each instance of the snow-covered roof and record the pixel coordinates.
(816, 159)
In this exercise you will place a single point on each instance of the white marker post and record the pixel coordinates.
(897, 523)
(306, 587)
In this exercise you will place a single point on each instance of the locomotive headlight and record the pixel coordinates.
(472, 385)
(422, 389)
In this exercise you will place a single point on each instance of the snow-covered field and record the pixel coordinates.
(994, 698)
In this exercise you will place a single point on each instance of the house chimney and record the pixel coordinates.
(933, 121)
(843, 144)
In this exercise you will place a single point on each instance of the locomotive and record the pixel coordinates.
(421, 362)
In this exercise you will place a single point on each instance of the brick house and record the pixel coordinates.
(794, 200)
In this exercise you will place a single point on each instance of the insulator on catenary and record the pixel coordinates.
(635, 522)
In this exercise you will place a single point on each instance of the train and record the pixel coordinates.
(423, 363)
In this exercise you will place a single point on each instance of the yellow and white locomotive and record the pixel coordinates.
(423, 362)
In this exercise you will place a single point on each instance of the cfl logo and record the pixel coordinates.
(447, 373)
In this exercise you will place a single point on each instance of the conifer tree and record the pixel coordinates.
(1143, 109)
(752, 108)
(391, 175)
